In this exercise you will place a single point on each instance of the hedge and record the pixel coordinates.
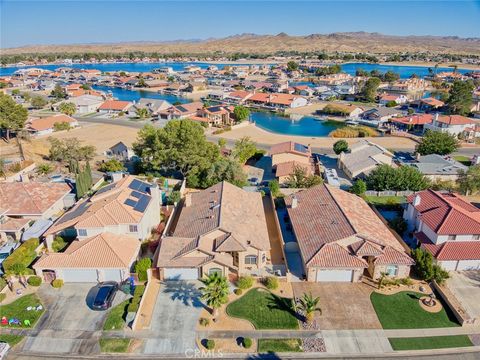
(34, 280)
(21, 258)
(141, 268)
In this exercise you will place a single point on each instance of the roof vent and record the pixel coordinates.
(417, 200)
(294, 202)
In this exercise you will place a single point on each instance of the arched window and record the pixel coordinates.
(215, 270)
(250, 259)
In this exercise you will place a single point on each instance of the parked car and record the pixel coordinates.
(5, 251)
(104, 293)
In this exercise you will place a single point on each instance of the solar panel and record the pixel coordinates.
(136, 194)
(142, 203)
(130, 202)
(105, 189)
(139, 186)
(300, 148)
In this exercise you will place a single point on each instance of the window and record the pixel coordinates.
(392, 270)
(452, 237)
(215, 270)
(264, 257)
(82, 232)
(250, 260)
(476, 237)
(133, 228)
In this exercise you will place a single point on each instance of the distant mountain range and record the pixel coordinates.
(252, 43)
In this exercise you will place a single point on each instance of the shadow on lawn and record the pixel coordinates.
(185, 292)
(283, 304)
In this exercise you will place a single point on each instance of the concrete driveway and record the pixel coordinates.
(68, 321)
(465, 286)
(345, 306)
(175, 318)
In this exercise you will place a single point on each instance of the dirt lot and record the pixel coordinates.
(344, 305)
(102, 136)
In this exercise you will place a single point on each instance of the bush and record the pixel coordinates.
(398, 224)
(245, 282)
(2, 297)
(22, 257)
(353, 132)
(141, 268)
(58, 244)
(133, 307)
(247, 343)
(57, 283)
(271, 283)
(238, 292)
(204, 321)
(3, 283)
(340, 146)
(34, 280)
(210, 344)
(174, 197)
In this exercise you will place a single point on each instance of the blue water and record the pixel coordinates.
(135, 95)
(305, 126)
(403, 71)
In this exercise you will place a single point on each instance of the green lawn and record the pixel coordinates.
(279, 345)
(432, 342)
(264, 310)
(12, 340)
(18, 310)
(465, 160)
(114, 345)
(116, 317)
(385, 200)
(402, 311)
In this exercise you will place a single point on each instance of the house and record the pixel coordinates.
(447, 226)
(387, 98)
(344, 110)
(46, 125)
(341, 239)
(153, 106)
(217, 115)
(114, 107)
(429, 104)
(437, 167)
(414, 122)
(471, 133)
(221, 229)
(277, 100)
(238, 97)
(102, 257)
(182, 111)
(381, 114)
(453, 124)
(87, 104)
(120, 151)
(363, 157)
(287, 156)
(129, 206)
(23, 203)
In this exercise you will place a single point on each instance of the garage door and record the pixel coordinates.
(468, 265)
(180, 274)
(80, 275)
(335, 275)
(112, 275)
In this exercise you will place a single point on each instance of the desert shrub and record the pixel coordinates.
(141, 268)
(34, 280)
(247, 343)
(204, 321)
(271, 283)
(210, 344)
(57, 283)
(245, 282)
(353, 132)
(238, 292)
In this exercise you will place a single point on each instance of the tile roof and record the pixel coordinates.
(418, 119)
(334, 255)
(447, 213)
(31, 198)
(432, 102)
(49, 122)
(451, 250)
(455, 120)
(105, 250)
(287, 168)
(115, 105)
(14, 224)
(291, 147)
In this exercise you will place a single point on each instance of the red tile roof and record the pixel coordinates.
(49, 122)
(455, 120)
(447, 213)
(451, 250)
(418, 119)
(432, 102)
(115, 105)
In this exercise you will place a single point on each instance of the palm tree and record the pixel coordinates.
(215, 292)
(44, 169)
(308, 305)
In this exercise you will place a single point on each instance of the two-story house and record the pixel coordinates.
(289, 155)
(447, 226)
(221, 229)
(453, 124)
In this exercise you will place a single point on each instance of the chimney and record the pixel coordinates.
(417, 200)
(188, 199)
(294, 202)
(435, 118)
(417, 156)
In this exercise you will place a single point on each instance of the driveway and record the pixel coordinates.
(345, 306)
(465, 286)
(67, 322)
(175, 318)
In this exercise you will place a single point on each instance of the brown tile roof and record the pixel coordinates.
(115, 105)
(31, 198)
(14, 224)
(334, 255)
(105, 250)
(447, 213)
(455, 120)
(291, 147)
(287, 168)
(49, 122)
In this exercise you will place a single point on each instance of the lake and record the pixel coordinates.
(135, 95)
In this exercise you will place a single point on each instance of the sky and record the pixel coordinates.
(72, 22)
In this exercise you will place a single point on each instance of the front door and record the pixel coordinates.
(49, 275)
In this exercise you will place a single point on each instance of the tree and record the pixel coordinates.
(222, 143)
(111, 165)
(403, 178)
(391, 103)
(274, 188)
(426, 269)
(309, 305)
(58, 92)
(141, 82)
(67, 108)
(38, 102)
(369, 90)
(300, 179)
(69, 150)
(292, 66)
(174, 197)
(241, 113)
(215, 292)
(340, 146)
(244, 149)
(460, 99)
(179, 146)
(142, 113)
(469, 181)
(141, 268)
(436, 142)
(86, 87)
(391, 76)
(359, 187)
(12, 115)
(44, 169)
(224, 170)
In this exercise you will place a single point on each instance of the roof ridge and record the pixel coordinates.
(111, 248)
(340, 208)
